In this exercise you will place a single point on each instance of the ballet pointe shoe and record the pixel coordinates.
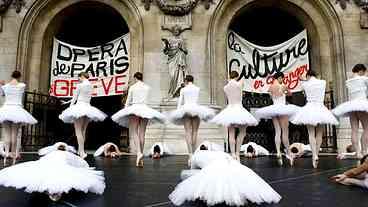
(5, 158)
(315, 163)
(279, 159)
(291, 159)
(83, 155)
(190, 160)
(139, 161)
(55, 197)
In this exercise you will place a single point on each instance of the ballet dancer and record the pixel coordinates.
(136, 114)
(190, 113)
(211, 146)
(80, 112)
(252, 149)
(357, 176)
(159, 150)
(221, 179)
(13, 115)
(235, 115)
(297, 150)
(109, 149)
(348, 154)
(279, 112)
(56, 146)
(56, 173)
(314, 114)
(356, 108)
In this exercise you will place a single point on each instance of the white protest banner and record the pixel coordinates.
(257, 64)
(107, 65)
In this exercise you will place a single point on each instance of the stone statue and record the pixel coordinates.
(176, 52)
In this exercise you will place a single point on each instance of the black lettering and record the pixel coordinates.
(301, 45)
(90, 70)
(122, 46)
(107, 49)
(121, 63)
(65, 57)
(92, 52)
(78, 52)
(101, 66)
(76, 67)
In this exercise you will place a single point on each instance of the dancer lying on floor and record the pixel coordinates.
(159, 150)
(56, 173)
(251, 149)
(349, 154)
(211, 146)
(222, 180)
(108, 150)
(357, 176)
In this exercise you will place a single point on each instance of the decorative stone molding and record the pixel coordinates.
(363, 4)
(5, 5)
(176, 9)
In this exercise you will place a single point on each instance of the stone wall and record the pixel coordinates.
(204, 44)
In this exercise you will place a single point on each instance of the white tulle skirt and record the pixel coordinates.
(16, 114)
(313, 114)
(79, 110)
(224, 181)
(142, 110)
(234, 114)
(52, 176)
(192, 110)
(350, 106)
(274, 110)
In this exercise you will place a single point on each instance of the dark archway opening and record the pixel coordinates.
(267, 24)
(91, 24)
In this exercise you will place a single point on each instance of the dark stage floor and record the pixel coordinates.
(129, 186)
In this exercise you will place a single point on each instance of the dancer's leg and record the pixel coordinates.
(277, 127)
(85, 122)
(133, 132)
(7, 139)
(353, 181)
(78, 127)
(354, 124)
(232, 142)
(188, 134)
(363, 117)
(240, 139)
(319, 134)
(195, 126)
(14, 139)
(313, 143)
(142, 132)
(284, 125)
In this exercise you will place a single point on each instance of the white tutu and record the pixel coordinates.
(142, 110)
(313, 114)
(350, 106)
(56, 173)
(81, 109)
(224, 181)
(273, 110)
(191, 109)
(235, 114)
(16, 114)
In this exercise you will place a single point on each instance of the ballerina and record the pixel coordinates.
(56, 173)
(211, 146)
(159, 150)
(297, 150)
(56, 146)
(221, 179)
(356, 108)
(136, 114)
(357, 176)
(108, 150)
(13, 115)
(279, 112)
(235, 115)
(80, 112)
(252, 149)
(190, 113)
(314, 114)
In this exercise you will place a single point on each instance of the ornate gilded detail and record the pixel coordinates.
(177, 9)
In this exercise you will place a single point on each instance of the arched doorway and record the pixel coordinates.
(270, 22)
(82, 23)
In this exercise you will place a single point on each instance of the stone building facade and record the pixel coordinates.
(338, 40)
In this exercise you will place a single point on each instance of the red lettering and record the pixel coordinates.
(106, 88)
(118, 83)
(73, 86)
(93, 81)
(258, 84)
(61, 87)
